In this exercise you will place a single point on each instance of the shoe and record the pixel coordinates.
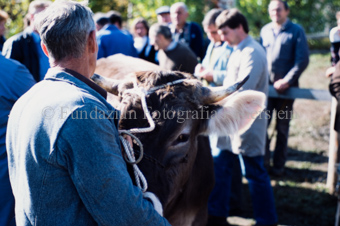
(277, 172)
(217, 221)
(236, 212)
(266, 225)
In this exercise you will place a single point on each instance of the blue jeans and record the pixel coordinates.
(259, 185)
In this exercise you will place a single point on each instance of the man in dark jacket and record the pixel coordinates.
(287, 56)
(186, 32)
(172, 55)
(25, 46)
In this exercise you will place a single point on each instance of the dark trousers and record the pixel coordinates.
(284, 112)
(259, 186)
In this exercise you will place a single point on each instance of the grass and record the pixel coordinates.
(301, 195)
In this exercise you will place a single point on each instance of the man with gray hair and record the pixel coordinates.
(189, 33)
(25, 46)
(172, 55)
(65, 161)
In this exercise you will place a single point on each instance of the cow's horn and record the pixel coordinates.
(110, 85)
(214, 94)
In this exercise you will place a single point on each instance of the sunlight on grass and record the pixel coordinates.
(314, 75)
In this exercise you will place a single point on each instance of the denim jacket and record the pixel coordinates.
(65, 161)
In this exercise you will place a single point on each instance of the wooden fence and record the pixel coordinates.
(318, 95)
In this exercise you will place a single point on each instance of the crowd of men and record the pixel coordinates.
(48, 56)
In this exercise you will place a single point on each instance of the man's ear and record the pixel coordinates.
(92, 42)
(44, 48)
(186, 15)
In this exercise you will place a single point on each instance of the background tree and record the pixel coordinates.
(314, 15)
(16, 11)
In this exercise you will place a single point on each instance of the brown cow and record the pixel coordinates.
(177, 161)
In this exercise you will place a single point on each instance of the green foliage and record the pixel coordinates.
(107, 5)
(147, 9)
(16, 11)
(312, 15)
(256, 13)
(319, 44)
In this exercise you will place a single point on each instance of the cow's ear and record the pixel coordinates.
(237, 113)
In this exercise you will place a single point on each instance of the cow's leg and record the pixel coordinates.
(201, 217)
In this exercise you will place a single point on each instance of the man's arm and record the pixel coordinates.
(100, 174)
(301, 58)
(11, 49)
(197, 37)
(252, 64)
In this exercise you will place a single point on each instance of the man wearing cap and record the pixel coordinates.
(163, 14)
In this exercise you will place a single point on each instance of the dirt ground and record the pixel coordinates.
(301, 195)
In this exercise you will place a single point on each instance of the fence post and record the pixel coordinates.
(332, 151)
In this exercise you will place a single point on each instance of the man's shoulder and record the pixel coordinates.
(182, 46)
(194, 25)
(334, 35)
(253, 49)
(294, 26)
(184, 50)
(267, 27)
(7, 63)
(24, 35)
(11, 69)
(55, 97)
(112, 33)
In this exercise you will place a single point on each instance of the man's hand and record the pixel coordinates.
(329, 72)
(198, 70)
(208, 75)
(202, 72)
(281, 85)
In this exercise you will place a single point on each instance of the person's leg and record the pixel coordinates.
(269, 114)
(284, 115)
(218, 205)
(260, 190)
(6, 196)
(236, 197)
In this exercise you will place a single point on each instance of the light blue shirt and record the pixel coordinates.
(220, 64)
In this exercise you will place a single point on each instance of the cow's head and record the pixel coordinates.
(181, 112)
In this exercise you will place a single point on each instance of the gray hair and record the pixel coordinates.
(162, 29)
(179, 5)
(210, 17)
(38, 4)
(64, 28)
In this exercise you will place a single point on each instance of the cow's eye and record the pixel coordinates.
(181, 139)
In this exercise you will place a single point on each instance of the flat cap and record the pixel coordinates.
(163, 9)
